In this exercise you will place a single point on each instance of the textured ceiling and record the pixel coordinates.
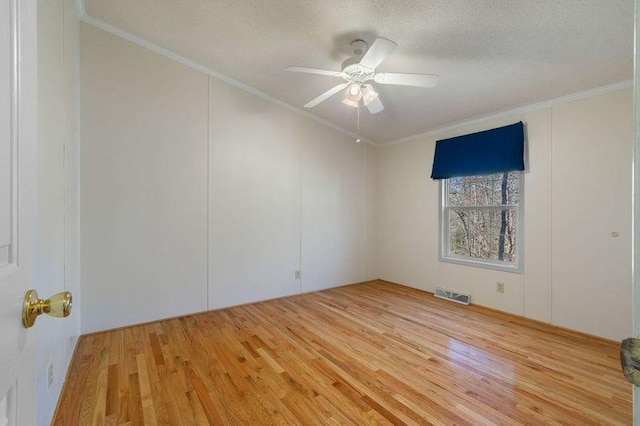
(491, 55)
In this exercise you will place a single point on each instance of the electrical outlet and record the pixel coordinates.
(297, 275)
(50, 375)
(500, 287)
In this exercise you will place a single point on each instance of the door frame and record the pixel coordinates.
(636, 198)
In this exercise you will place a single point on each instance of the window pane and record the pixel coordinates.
(458, 232)
(481, 214)
(488, 234)
(488, 190)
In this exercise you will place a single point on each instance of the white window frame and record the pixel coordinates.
(444, 254)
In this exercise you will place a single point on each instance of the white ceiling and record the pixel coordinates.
(491, 55)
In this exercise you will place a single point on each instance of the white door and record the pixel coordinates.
(18, 80)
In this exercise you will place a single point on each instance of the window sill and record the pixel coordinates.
(516, 269)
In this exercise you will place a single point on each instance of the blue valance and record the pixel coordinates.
(492, 151)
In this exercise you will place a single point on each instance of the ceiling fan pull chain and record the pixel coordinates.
(358, 140)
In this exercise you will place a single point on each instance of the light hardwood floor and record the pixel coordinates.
(372, 353)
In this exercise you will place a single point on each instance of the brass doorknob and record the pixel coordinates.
(58, 305)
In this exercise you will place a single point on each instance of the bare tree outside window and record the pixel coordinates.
(481, 214)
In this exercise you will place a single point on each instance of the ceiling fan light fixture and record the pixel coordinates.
(349, 102)
(354, 92)
(368, 94)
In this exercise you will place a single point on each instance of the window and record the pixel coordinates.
(481, 220)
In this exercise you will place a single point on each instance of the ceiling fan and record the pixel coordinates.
(361, 68)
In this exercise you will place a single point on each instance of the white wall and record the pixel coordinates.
(591, 178)
(335, 210)
(143, 184)
(57, 244)
(254, 182)
(577, 191)
(171, 156)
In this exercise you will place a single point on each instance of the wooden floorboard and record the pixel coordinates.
(372, 353)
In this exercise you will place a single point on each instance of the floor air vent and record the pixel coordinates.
(453, 296)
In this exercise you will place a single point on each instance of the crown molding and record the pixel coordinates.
(212, 73)
(514, 111)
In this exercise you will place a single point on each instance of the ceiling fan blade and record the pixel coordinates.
(420, 80)
(326, 95)
(315, 71)
(375, 106)
(379, 50)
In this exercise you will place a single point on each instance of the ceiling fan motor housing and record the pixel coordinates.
(355, 72)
